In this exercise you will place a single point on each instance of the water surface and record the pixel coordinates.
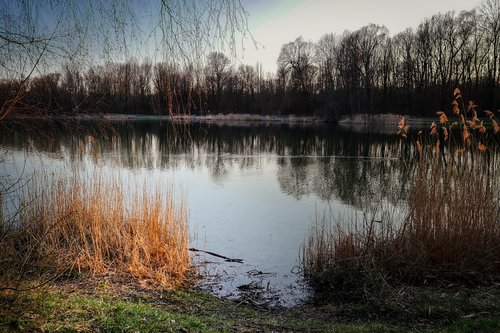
(253, 192)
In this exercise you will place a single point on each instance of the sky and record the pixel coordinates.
(276, 22)
(272, 24)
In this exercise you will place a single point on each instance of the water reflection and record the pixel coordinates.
(329, 162)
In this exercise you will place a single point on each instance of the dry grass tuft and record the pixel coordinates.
(449, 234)
(452, 231)
(91, 226)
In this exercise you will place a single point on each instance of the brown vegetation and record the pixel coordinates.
(449, 231)
(74, 226)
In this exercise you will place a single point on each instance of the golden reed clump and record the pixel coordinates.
(94, 226)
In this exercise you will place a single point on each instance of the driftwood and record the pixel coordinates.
(218, 255)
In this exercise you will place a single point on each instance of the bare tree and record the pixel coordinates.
(217, 73)
(404, 47)
(325, 56)
(38, 35)
(248, 79)
(370, 41)
(246, 87)
(425, 71)
(296, 59)
(349, 71)
(387, 71)
(490, 22)
(73, 81)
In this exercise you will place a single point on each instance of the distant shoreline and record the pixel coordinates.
(384, 120)
(229, 118)
(215, 118)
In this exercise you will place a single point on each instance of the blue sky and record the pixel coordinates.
(276, 22)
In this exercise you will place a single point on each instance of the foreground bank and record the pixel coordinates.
(96, 304)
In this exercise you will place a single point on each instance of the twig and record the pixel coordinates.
(218, 255)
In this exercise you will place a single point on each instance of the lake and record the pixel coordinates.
(252, 191)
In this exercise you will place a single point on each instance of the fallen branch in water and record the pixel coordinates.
(218, 255)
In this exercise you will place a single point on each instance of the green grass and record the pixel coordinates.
(55, 311)
(479, 325)
(103, 307)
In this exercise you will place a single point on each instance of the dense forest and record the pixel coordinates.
(363, 71)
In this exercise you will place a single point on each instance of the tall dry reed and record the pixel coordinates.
(449, 233)
(93, 226)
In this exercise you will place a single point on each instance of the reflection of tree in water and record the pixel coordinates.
(293, 175)
(350, 167)
(329, 162)
(217, 165)
(351, 182)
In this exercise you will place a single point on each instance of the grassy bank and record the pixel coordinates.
(99, 305)
(72, 226)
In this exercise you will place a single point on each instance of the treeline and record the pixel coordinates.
(413, 72)
(144, 87)
(362, 71)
